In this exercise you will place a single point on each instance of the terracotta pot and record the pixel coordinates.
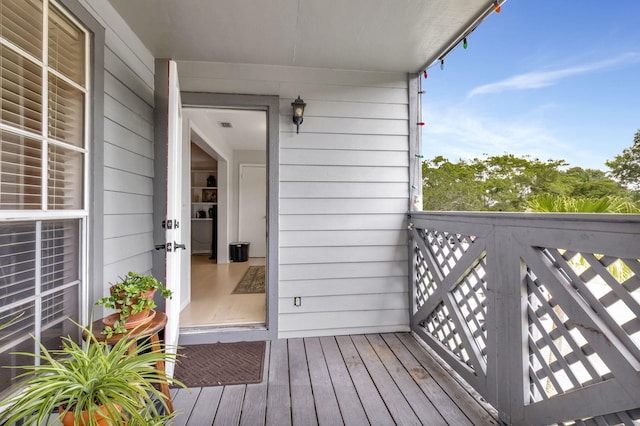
(136, 319)
(102, 420)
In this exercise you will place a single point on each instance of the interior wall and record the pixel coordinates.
(202, 135)
(344, 192)
(241, 157)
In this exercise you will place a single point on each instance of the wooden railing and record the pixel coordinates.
(538, 312)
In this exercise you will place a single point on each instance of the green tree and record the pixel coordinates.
(592, 183)
(451, 186)
(625, 168)
(507, 183)
(498, 183)
(510, 180)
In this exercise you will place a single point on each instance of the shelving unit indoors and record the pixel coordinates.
(204, 199)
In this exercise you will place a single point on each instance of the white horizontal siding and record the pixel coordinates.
(299, 173)
(350, 110)
(343, 322)
(332, 206)
(343, 190)
(344, 193)
(333, 303)
(320, 254)
(343, 238)
(127, 224)
(342, 270)
(312, 222)
(344, 286)
(128, 147)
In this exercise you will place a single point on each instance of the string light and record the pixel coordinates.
(419, 156)
(442, 63)
(425, 74)
(496, 6)
(422, 92)
(464, 43)
(420, 123)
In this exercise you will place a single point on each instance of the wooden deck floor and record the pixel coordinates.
(379, 379)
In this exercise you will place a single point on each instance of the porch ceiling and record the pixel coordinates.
(398, 35)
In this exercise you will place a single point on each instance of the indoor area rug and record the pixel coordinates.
(220, 364)
(252, 281)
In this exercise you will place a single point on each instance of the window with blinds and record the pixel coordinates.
(43, 169)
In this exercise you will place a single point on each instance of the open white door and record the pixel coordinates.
(174, 244)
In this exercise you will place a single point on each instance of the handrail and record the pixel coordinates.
(539, 312)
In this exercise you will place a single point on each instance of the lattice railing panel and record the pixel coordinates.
(425, 282)
(560, 359)
(447, 248)
(440, 324)
(470, 296)
(517, 297)
(631, 418)
(611, 287)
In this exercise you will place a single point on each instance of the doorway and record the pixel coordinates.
(223, 141)
(270, 106)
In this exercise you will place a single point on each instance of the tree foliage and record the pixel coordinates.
(625, 168)
(507, 182)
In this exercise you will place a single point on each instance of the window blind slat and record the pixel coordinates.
(20, 172)
(66, 113)
(22, 24)
(66, 46)
(21, 89)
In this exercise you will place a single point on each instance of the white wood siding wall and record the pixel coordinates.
(344, 188)
(128, 146)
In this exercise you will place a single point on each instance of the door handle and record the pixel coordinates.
(179, 246)
(166, 247)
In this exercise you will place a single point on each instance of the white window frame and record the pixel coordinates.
(46, 214)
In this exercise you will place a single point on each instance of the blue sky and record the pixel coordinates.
(553, 79)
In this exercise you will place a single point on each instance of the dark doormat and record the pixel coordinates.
(252, 281)
(220, 364)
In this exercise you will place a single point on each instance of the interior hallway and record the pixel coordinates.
(212, 304)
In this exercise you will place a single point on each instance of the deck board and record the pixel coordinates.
(395, 401)
(254, 407)
(439, 398)
(230, 405)
(353, 380)
(302, 404)
(418, 401)
(204, 410)
(323, 393)
(278, 394)
(345, 391)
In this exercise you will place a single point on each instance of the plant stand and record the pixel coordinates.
(150, 330)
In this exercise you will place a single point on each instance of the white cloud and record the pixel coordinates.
(456, 133)
(539, 79)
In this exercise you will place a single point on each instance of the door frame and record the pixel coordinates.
(271, 105)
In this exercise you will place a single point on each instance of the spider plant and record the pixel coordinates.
(113, 385)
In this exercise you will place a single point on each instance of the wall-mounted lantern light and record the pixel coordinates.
(298, 112)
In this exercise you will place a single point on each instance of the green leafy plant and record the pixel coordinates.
(128, 298)
(117, 383)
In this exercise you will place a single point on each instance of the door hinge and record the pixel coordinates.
(170, 224)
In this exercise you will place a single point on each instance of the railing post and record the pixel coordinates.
(506, 349)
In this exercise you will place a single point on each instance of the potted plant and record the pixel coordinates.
(90, 384)
(132, 298)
